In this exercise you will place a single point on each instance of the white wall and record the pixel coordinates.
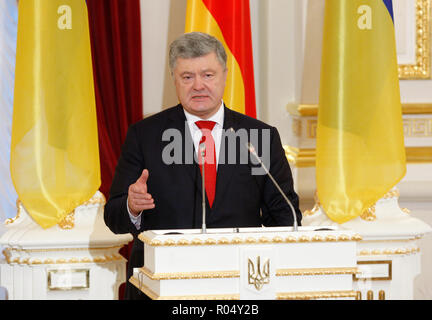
(274, 25)
(161, 21)
(287, 38)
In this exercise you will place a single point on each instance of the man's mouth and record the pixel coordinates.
(199, 97)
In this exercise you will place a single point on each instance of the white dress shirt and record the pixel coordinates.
(196, 134)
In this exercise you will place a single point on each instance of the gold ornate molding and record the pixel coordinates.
(303, 110)
(248, 240)
(311, 110)
(422, 68)
(412, 127)
(315, 208)
(279, 296)
(189, 275)
(154, 296)
(21, 256)
(90, 249)
(368, 214)
(316, 295)
(236, 274)
(12, 220)
(394, 251)
(316, 271)
(68, 222)
(416, 108)
(303, 158)
(417, 127)
(74, 260)
(419, 154)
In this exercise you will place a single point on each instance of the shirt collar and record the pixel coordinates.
(218, 117)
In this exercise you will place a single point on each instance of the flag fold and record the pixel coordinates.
(54, 147)
(360, 142)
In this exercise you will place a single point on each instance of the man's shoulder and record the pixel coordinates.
(245, 121)
(157, 119)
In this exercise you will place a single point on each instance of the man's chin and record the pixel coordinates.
(202, 111)
(199, 107)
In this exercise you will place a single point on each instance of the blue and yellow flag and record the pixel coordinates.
(360, 142)
(54, 147)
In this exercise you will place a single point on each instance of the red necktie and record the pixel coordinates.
(209, 158)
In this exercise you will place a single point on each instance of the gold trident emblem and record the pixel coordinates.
(258, 276)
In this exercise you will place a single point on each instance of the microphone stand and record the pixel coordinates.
(250, 147)
(202, 151)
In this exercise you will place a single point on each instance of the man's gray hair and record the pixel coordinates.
(194, 45)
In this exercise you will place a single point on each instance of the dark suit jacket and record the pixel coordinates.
(241, 200)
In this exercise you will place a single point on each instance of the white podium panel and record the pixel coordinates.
(248, 263)
(388, 256)
(76, 259)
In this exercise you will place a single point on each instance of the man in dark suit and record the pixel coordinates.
(157, 183)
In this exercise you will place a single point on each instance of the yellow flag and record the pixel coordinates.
(360, 142)
(54, 148)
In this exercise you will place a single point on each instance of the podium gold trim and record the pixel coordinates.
(279, 296)
(263, 240)
(236, 274)
(316, 295)
(154, 296)
(189, 275)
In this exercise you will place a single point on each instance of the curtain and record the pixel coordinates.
(115, 32)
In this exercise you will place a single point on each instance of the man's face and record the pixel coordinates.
(200, 84)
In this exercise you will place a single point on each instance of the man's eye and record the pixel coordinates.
(209, 75)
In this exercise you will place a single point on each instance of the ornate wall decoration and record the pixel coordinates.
(420, 47)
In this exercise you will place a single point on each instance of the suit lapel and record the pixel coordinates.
(225, 170)
(177, 120)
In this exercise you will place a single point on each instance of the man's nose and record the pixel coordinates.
(198, 83)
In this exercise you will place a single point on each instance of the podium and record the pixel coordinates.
(248, 263)
(77, 259)
(389, 255)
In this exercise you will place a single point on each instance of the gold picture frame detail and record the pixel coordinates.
(422, 68)
(53, 287)
(374, 278)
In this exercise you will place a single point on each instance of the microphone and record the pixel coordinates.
(251, 149)
(202, 153)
